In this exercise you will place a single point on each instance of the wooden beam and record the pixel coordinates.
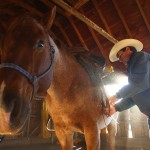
(80, 3)
(27, 7)
(71, 22)
(37, 12)
(64, 33)
(77, 32)
(84, 19)
(7, 11)
(101, 16)
(77, 6)
(143, 15)
(50, 5)
(3, 24)
(122, 18)
(5, 2)
(99, 46)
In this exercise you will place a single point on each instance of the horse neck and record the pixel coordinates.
(65, 67)
(67, 74)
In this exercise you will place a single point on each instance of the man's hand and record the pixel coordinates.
(109, 111)
(113, 99)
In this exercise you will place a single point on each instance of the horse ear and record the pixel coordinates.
(49, 18)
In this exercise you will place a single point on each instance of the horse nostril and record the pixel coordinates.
(10, 99)
(9, 107)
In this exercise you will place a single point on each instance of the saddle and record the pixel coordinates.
(94, 66)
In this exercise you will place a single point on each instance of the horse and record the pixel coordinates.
(73, 104)
(32, 65)
(27, 58)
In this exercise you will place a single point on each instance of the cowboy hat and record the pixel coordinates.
(122, 44)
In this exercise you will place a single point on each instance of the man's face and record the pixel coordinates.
(124, 55)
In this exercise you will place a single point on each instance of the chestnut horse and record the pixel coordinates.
(28, 63)
(73, 104)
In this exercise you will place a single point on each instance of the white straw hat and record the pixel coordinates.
(122, 44)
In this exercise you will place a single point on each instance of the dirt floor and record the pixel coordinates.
(39, 147)
(46, 144)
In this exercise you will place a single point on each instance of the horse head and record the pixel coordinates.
(27, 55)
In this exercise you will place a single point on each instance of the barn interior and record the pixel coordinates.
(95, 25)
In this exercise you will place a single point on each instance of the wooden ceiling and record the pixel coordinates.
(119, 18)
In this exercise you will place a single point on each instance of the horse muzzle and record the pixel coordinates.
(9, 124)
(5, 122)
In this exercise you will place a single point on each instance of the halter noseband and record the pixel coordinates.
(33, 79)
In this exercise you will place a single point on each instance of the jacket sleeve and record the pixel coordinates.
(138, 76)
(124, 104)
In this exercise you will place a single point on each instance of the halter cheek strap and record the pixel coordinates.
(33, 79)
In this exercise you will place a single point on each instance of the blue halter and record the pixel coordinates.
(33, 79)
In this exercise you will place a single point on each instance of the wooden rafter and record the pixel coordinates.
(38, 13)
(27, 7)
(105, 55)
(77, 32)
(7, 11)
(101, 16)
(85, 20)
(64, 34)
(143, 15)
(71, 22)
(5, 2)
(122, 18)
(50, 5)
(99, 45)
(80, 3)
(47, 3)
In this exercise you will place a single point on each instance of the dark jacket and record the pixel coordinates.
(137, 92)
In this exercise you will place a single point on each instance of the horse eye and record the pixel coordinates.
(40, 45)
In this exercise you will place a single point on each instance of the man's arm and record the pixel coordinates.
(138, 77)
(124, 104)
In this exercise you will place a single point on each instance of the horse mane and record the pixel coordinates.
(63, 48)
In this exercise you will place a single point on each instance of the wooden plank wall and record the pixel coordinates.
(133, 130)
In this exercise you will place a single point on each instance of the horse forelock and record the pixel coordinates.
(22, 20)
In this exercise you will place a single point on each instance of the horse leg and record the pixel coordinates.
(66, 140)
(103, 137)
(112, 130)
(92, 138)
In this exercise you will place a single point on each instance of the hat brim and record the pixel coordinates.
(122, 44)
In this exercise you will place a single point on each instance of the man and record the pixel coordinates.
(137, 92)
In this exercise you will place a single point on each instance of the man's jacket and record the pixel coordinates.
(137, 92)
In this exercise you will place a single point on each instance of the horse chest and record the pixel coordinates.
(66, 120)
